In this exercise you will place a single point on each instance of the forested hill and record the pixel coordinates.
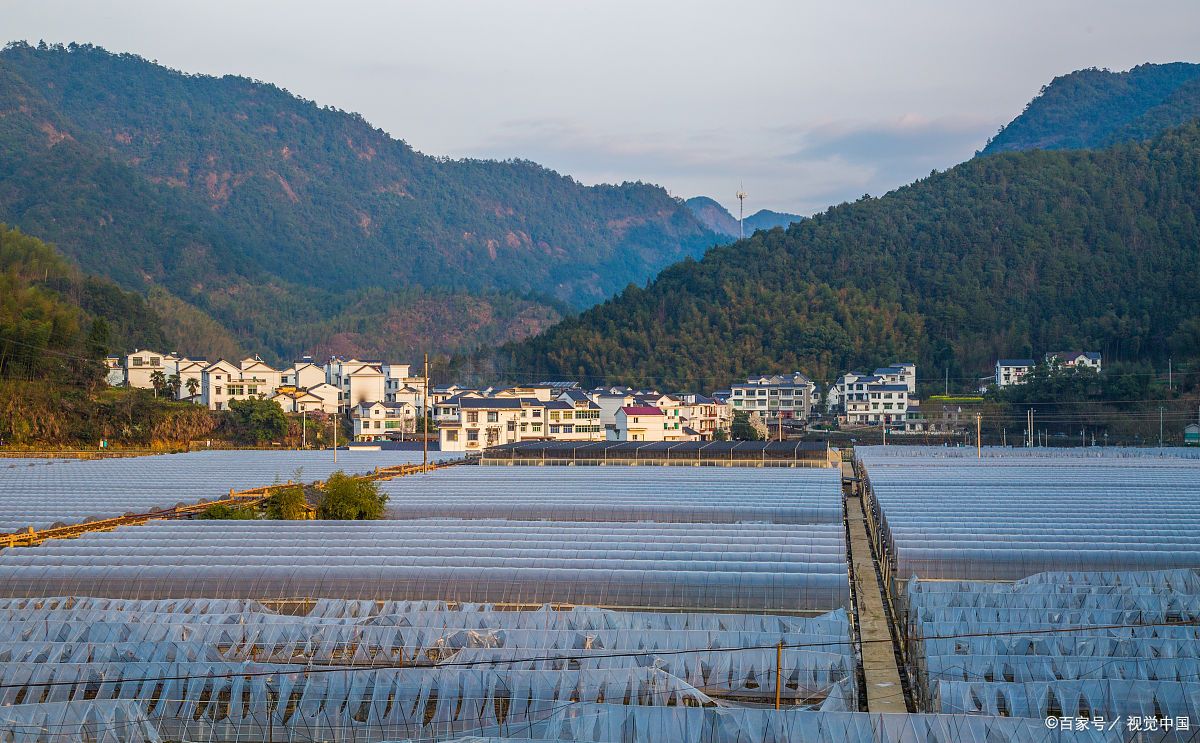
(1000, 256)
(54, 319)
(1097, 108)
(271, 213)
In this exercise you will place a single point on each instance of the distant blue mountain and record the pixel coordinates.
(718, 219)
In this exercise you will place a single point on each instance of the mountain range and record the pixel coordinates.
(217, 216)
(281, 225)
(1077, 226)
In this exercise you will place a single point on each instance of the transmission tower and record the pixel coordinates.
(741, 197)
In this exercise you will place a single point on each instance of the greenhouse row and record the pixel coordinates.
(733, 567)
(38, 495)
(804, 496)
(1013, 515)
(687, 453)
(217, 670)
(1087, 644)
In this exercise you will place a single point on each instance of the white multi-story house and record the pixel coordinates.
(321, 398)
(704, 415)
(648, 423)
(141, 365)
(382, 421)
(492, 421)
(610, 401)
(222, 382)
(902, 373)
(188, 369)
(879, 403)
(305, 373)
(787, 396)
(572, 419)
(1075, 359)
(359, 381)
(1012, 371)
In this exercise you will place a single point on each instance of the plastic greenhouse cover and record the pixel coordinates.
(711, 495)
(75, 491)
(1108, 698)
(110, 635)
(94, 721)
(719, 566)
(409, 613)
(185, 702)
(1013, 513)
(602, 723)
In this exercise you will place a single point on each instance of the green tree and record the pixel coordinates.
(255, 421)
(223, 512)
(193, 386)
(720, 435)
(349, 498)
(741, 428)
(159, 381)
(286, 504)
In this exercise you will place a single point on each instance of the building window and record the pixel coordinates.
(493, 416)
(451, 435)
(472, 417)
(473, 435)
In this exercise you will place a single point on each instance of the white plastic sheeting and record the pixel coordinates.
(94, 721)
(738, 567)
(235, 670)
(33, 494)
(1019, 512)
(602, 723)
(220, 701)
(734, 657)
(1081, 645)
(706, 495)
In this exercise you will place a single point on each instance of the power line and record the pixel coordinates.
(309, 669)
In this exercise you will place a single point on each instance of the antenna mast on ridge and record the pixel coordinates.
(741, 197)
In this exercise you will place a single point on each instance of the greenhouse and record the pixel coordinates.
(710, 495)
(1012, 513)
(41, 493)
(728, 567)
(1084, 644)
(220, 669)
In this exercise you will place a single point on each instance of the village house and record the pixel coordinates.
(1011, 371)
(786, 397)
(1075, 359)
(491, 421)
(648, 423)
(383, 421)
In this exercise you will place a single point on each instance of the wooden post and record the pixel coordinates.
(778, 671)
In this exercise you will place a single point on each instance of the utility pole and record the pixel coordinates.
(1170, 377)
(336, 421)
(978, 440)
(425, 415)
(1160, 426)
(303, 431)
(1004, 437)
(778, 671)
(947, 381)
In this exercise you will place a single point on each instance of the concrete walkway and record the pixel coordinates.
(884, 691)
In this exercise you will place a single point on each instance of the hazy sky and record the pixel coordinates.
(805, 103)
